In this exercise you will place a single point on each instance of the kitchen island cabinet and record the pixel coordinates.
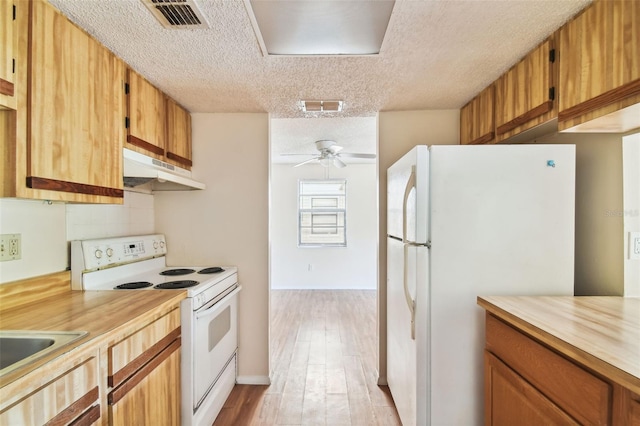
(562, 360)
(599, 77)
(131, 352)
(7, 54)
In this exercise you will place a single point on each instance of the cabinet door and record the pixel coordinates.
(178, 135)
(477, 119)
(75, 125)
(144, 374)
(600, 67)
(71, 396)
(511, 400)
(7, 54)
(146, 112)
(152, 395)
(525, 94)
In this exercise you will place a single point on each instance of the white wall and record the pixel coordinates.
(398, 132)
(227, 223)
(46, 229)
(599, 247)
(631, 194)
(351, 267)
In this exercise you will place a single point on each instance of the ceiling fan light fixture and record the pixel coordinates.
(321, 106)
(326, 162)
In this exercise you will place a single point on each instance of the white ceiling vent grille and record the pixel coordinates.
(177, 14)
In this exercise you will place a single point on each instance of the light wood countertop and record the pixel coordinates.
(105, 315)
(601, 333)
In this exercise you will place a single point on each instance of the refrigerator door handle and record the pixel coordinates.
(411, 183)
(411, 303)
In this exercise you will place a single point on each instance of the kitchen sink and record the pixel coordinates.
(20, 347)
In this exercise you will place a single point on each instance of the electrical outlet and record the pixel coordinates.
(10, 247)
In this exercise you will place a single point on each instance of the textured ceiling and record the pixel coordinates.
(435, 55)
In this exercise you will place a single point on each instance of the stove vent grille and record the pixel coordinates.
(177, 14)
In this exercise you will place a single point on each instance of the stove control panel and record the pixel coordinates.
(90, 255)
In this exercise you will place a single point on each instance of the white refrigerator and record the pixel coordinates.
(466, 221)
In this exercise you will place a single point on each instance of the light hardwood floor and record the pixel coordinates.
(323, 362)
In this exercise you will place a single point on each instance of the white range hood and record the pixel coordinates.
(156, 175)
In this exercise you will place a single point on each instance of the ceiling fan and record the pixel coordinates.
(330, 154)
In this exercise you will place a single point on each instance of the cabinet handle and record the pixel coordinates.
(612, 96)
(179, 159)
(36, 182)
(521, 119)
(128, 370)
(71, 412)
(144, 145)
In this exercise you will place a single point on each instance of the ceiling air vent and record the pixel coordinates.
(177, 14)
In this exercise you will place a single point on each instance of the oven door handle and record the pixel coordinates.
(216, 307)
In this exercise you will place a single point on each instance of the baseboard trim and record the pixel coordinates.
(253, 380)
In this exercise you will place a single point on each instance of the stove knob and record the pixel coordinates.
(155, 244)
(109, 252)
(162, 244)
(98, 254)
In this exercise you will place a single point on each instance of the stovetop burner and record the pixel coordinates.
(172, 285)
(133, 285)
(212, 270)
(177, 271)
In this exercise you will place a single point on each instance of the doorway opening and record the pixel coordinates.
(323, 306)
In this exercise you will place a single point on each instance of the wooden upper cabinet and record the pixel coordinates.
(477, 119)
(7, 54)
(600, 68)
(525, 94)
(76, 105)
(178, 150)
(146, 117)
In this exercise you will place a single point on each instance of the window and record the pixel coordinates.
(322, 212)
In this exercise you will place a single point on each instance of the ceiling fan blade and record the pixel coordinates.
(338, 163)
(346, 154)
(306, 161)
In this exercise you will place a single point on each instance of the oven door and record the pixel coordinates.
(215, 341)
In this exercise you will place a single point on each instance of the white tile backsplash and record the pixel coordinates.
(47, 228)
(134, 216)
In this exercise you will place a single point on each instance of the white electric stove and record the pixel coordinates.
(208, 314)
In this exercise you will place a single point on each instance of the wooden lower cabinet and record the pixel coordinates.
(144, 375)
(155, 399)
(528, 383)
(72, 397)
(511, 400)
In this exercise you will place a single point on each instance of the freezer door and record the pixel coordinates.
(408, 196)
(401, 347)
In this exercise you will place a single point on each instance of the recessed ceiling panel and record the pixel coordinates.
(314, 27)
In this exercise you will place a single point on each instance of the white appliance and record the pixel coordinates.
(140, 169)
(209, 328)
(465, 221)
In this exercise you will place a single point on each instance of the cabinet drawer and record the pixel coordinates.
(582, 395)
(131, 353)
(70, 396)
